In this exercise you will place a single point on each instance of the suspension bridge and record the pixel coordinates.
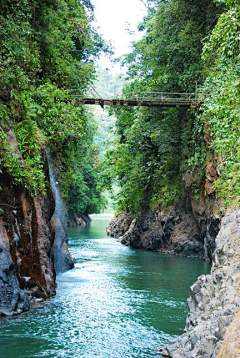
(147, 99)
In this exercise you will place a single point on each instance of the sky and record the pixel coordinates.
(113, 17)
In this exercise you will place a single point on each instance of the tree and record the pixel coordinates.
(47, 48)
(154, 146)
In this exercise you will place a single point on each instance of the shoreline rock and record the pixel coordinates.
(176, 231)
(13, 300)
(78, 220)
(213, 302)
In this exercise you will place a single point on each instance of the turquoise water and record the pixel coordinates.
(117, 302)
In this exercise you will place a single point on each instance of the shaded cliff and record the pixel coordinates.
(26, 240)
(59, 221)
(33, 239)
(42, 57)
(78, 219)
(187, 228)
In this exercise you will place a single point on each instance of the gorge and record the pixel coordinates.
(174, 173)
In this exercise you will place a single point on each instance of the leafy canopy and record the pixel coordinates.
(154, 146)
(47, 48)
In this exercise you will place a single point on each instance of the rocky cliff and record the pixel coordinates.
(179, 230)
(26, 239)
(188, 228)
(214, 302)
(33, 246)
(79, 219)
(175, 231)
(59, 222)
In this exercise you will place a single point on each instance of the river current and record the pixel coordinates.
(116, 303)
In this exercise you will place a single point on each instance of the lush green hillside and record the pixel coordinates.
(184, 42)
(220, 117)
(48, 48)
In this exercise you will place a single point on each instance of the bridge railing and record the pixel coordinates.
(168, 96)
(146, 96)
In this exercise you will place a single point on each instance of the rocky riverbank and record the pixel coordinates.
(188, 228)
(214, 299)
(174, 232)
(214, 302)
(177, 231)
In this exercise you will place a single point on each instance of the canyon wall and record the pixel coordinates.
(187, 228)
(33, 244)
(212, 327)
(26, 240)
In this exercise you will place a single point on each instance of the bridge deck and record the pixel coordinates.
(144, 103)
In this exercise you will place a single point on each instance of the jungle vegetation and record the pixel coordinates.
(184, 43)
(48, 48)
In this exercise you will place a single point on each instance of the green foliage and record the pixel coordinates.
(221, 113)
(155, 146)
(21, 156)
(145, 161)
(79, 182)
(47, 48)
(168, 56)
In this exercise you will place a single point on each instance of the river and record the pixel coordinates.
(116, 303)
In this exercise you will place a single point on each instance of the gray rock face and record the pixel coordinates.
(62, 258)
(145, 232)
(119, 225)
(231, 344)
(214, 298)
(174, 232)
(79, 219)
(13, 300)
